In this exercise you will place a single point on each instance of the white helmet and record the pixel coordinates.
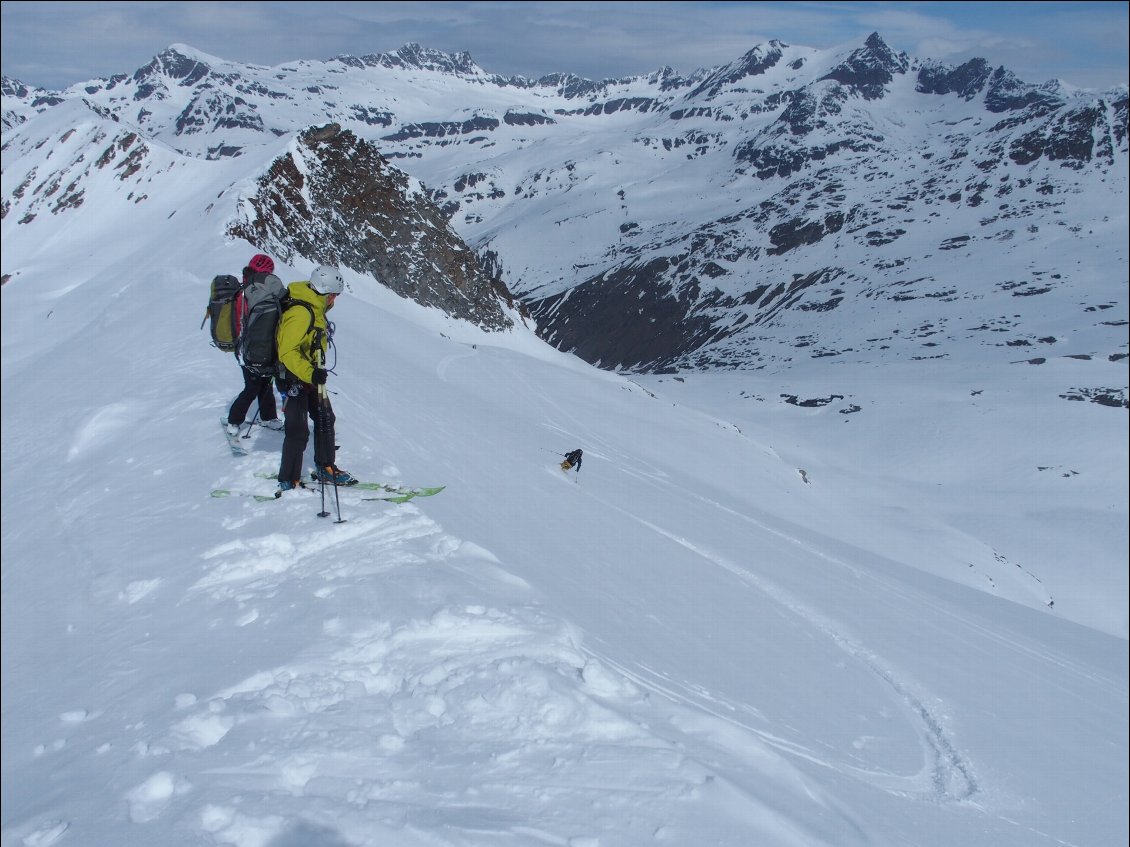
(327, 280)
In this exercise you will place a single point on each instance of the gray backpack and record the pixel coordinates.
(258, 307)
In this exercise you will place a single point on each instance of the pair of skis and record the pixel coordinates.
(382, 491)
(235, 440)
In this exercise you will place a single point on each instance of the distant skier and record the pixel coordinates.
(572, 460)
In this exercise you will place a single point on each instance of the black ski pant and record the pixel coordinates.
(303, 405)
(254, 387)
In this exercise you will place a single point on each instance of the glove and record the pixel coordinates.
(319, 377)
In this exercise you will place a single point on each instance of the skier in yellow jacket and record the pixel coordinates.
(304, 335)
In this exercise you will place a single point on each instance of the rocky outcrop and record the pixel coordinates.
(870, 69)
(335, 200)
(754, 63)
(412, 56)
(966, 81)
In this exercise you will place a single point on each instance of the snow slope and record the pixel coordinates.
(741, 623)
(840, 601)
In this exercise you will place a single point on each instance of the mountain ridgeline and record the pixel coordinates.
(334, 200)
(793, 204)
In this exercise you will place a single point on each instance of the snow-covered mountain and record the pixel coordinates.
(868, 589)
(852, 203)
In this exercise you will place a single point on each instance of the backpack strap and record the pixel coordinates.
(289, 301)
(286, 303)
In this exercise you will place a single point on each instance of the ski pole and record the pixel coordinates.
(250, 424)
(323, 426)
(337, 496)
(330, 468)
(333, 472)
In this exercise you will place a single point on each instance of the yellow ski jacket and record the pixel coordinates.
(301, 343)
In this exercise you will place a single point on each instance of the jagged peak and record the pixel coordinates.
(870, 68)
(180, 62)
(186, 51)
(1007, 92)
(428, 58)
(569, 85)
(876, 51)
(759, 54)
(11, 87)
(966, 80)
(667, 78)
(753, 63)
(413, 55)
(876, 44)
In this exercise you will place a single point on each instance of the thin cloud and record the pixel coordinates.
(54, 45)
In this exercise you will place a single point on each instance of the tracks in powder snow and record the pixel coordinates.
(946, 774)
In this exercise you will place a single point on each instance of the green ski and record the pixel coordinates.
(390, 494)
(395, 491)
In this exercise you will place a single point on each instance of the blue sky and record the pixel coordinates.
(56, 44)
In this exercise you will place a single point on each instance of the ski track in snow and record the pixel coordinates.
(908, 598)
(946, 775)
(103, 426)
(46, 834)
(448, 361)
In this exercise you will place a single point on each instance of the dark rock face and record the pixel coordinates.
(616, 104)
(812, 402)
(1007, 93)
(1114, 397)
(364, 214)
(13, 88)
(167, 66)
(1119, 125)
(413, 56)
(439, 130)
(526, 119)
(174, 65)
(655, 316)
(1067, 137)
(870, 69)
(625, 319)
(213, 111)
(966, 81)
(799, 232)
(754, 63)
